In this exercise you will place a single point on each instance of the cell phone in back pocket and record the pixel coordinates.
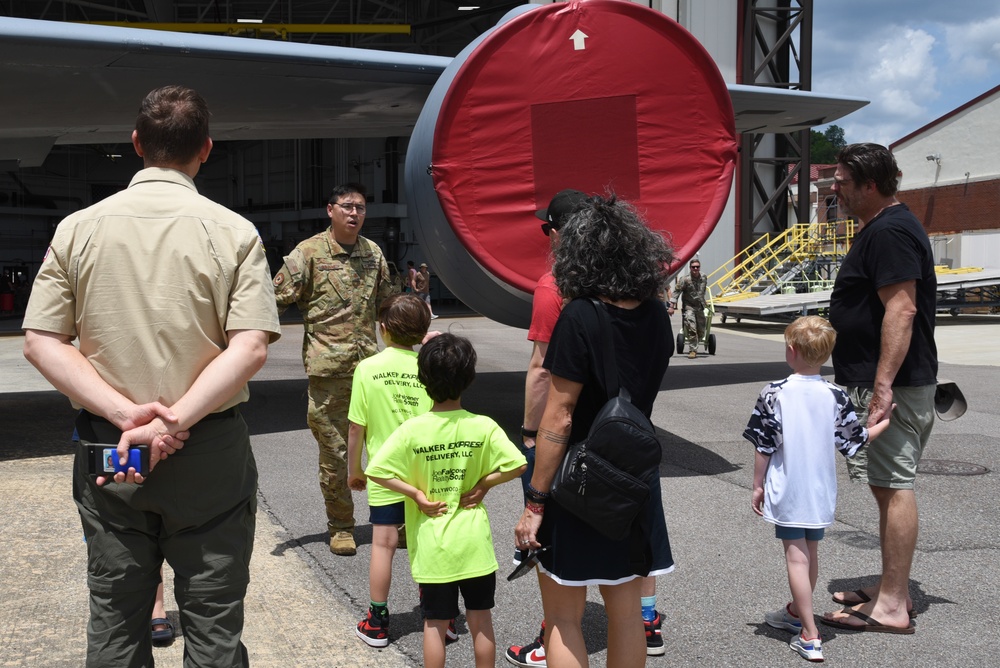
(102, 459)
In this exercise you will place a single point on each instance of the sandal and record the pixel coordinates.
(161, 636)
(860, 593)
(869, 624)
(864, 598)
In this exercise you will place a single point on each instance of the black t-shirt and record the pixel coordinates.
(643, 346)
(892, 248)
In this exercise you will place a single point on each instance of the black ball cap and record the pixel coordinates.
(563, 204)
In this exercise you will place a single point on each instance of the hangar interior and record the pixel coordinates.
(282, 184)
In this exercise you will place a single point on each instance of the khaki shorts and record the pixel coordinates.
(891, 460)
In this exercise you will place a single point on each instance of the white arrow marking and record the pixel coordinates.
(578, 40)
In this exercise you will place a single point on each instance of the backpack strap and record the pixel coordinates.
(640, 551)
(608, 345)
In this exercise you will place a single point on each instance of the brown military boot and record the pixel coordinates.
(692, 355)
(342, 543)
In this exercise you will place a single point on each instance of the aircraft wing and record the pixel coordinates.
(760, 109)
(67, 83)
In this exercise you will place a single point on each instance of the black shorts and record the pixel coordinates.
(440, 599)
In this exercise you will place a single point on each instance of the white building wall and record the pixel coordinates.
(963, 148)
(968, 145)
(979, 249)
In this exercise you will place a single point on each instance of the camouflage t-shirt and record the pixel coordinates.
(338, 295)
(691, 291)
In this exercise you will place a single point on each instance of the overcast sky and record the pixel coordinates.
(916, 60)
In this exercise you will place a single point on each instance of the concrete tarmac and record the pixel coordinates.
(303, 601)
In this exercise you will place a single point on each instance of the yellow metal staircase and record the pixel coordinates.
(803, 258)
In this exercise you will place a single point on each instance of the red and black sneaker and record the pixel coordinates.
(531, 655)
(374, 630)
(451, 634)
(654, 636)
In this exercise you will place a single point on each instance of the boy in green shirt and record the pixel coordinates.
(444, 462)
(385, 393)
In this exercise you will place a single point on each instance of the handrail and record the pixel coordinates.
(767, 268)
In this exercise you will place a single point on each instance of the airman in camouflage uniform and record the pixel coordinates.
(337, 279)
(691, 291)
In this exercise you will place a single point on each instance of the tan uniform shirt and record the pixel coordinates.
(150, 280)
(338, 295)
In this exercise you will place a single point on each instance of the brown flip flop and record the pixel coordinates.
(860, 593)
(870, 625)
(864, 598)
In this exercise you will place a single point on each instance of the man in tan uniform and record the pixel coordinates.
(171, 299)
(337, 279)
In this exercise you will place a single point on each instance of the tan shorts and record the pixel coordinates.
(891, 460)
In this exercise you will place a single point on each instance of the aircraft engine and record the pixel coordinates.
(595, 95)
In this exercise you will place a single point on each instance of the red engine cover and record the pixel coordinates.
(597, 95)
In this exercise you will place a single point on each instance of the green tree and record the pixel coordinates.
(823, 146)
(835, 135)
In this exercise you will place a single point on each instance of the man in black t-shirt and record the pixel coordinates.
(883, 307)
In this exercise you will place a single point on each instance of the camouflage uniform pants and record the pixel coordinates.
(329, 400)
(694, 326)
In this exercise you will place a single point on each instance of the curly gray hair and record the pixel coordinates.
(606, 250)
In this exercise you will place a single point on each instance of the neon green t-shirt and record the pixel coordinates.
(444, 455)
(385, 393)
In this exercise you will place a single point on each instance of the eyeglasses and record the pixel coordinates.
(351, 206)
(696, 267)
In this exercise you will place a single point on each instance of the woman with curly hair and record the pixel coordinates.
(605, 252)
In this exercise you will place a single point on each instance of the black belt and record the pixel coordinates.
(232, 412)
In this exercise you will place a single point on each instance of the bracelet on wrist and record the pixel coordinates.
(528, 433)
(537, 500)
(536, 508)
(536, 494)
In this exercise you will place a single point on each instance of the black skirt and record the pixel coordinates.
(580, 556)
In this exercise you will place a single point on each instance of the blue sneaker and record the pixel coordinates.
(811, 650)
(784, 619)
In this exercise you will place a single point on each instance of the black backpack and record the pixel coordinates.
(604, 479)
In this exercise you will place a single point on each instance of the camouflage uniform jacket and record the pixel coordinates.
(691, 291)
(338, 295)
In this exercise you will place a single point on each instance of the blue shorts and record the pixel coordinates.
(394, 513)
(795, 533)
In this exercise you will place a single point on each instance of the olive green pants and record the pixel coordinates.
(197, 509)
(329, 401)
(694, 326)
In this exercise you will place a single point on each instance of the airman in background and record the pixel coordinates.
(690, 290)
